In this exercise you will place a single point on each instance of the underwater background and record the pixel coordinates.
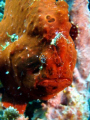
(72, 102)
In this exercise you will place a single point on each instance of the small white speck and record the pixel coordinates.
(18, 88)
(26, 48)
(24, 31)
(28, 55)
(7, 72)
(36, 55)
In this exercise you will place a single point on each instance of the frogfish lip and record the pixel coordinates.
(51, 86)
(47, 84)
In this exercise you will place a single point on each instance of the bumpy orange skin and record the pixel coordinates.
(36, 23)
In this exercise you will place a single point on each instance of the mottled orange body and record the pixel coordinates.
(37, 68)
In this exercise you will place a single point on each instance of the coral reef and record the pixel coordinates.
(83, 40)
(41, 61)
(82, 70)
(68, 104)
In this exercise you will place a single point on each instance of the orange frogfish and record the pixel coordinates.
(40, 61)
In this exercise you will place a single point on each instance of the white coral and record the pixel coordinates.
(10, 113)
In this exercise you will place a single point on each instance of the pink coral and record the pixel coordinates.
(80, 15)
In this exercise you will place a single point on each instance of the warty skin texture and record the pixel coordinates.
(36, 27)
